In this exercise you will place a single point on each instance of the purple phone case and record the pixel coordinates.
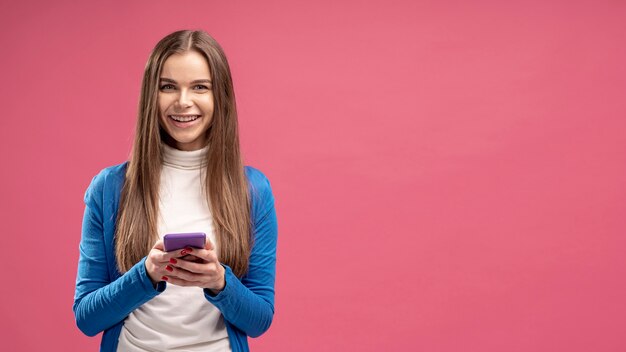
(174, 241)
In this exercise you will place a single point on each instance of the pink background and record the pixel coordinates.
(448, 176)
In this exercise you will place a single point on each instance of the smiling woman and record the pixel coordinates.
(186, 100)
(184, 175)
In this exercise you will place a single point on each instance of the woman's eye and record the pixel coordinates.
(200, 86)
(167, 86)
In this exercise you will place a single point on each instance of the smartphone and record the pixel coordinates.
(174, 241)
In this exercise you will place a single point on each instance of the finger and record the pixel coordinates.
(205, 268)
(177, 253)
(184, 274)
(159, 252)
(159, 256)
(170, 271)
(208, 255)
(208, 245)
(159, 245)
(191, 258)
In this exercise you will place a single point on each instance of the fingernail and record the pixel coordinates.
(164, 278)
(189, 249)
(183, 252)
(169, 268)
(173, 261)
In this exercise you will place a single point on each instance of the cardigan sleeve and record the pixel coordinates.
(99, 302)
(248, 303)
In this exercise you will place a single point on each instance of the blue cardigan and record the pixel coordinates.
(104, 297)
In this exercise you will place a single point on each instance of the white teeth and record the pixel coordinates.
(184, 118)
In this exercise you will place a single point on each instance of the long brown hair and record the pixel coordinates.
(224, 180)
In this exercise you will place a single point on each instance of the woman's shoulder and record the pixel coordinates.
(111, 175)
(255, 177)
(260, 188)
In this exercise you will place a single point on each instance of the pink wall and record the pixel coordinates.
(449, 176)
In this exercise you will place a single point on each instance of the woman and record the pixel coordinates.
(184, 175)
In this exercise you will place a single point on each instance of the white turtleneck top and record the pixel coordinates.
(180, 318)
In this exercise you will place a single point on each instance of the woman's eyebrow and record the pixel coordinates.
(165, 79)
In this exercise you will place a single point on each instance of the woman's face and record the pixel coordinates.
(186, 100)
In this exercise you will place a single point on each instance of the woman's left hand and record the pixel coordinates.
(205, 271)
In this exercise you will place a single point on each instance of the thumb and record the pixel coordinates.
(208, 245)
(159, 245)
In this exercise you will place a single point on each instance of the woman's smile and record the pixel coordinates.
(184, 118)
(184, 121)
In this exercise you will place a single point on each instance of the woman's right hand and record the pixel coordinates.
(156, 262)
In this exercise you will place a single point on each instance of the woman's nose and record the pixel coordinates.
(183, 99)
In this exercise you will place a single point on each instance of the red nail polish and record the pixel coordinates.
(188, 249)
(183, 252)
(169, 268)
(164, 278)
(173, 261)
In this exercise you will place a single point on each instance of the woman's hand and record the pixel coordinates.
(157, 261)
(205, 271)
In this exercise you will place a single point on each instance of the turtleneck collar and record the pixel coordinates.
(184, 160)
